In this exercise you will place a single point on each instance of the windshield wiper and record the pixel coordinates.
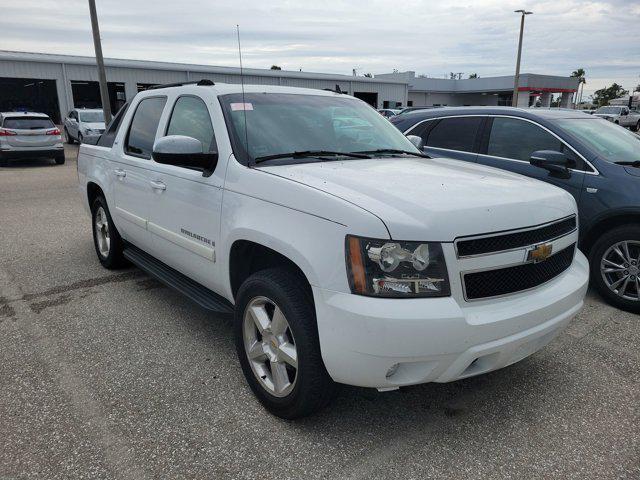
(395, 151)
(634, 163)
(310, 153)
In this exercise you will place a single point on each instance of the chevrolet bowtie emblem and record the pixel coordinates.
(539, 253)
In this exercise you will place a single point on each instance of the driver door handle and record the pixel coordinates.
(157, 185)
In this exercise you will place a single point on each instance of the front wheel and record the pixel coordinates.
(69, 138)
(277, 344)
(615, 267)
(79, 138)
(638, 126)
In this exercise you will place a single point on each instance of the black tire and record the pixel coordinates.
(79, 138)
(4, 162)
(608, 239)
(69, 138)
(115, 258)
(313, 388)
(60, 160)
(638, 126)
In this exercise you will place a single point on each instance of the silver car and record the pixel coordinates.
(83, 122)
(29, 135)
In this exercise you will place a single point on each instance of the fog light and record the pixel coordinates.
(392, 370)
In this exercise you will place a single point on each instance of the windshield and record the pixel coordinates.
(612, 142)
(612, 110)
(280, 123)
(92, 117)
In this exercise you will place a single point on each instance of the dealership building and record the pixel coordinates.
(54, 84)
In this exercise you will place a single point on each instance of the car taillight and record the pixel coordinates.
(6, 133)
(55, 131)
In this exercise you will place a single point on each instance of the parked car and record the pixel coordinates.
(388, 112)
(29, 135)
(83, 122)
(343, 254)
(621, 116)
(596, 161)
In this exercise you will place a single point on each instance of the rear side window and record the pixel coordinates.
(28, 123)
(108, 137)
(518, 139)
(454, 134)
(144, 126)
(191, 117)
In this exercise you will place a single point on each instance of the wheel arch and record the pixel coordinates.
(607, 223)
(249, 256)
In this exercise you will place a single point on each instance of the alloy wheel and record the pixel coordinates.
(101, 226)
(270, 346)
(620, 269)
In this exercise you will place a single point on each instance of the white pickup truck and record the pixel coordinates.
(621, 116)
(344, 253)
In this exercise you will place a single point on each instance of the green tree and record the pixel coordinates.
(474, 75)
(579, 74)
(275, 67)
(368, 75)
(605, 95)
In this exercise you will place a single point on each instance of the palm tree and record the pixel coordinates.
(579, 74)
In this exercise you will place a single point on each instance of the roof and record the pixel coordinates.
(182, 67)
(231, 88)
(548, 113)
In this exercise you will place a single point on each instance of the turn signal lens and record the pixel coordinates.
(55, 131)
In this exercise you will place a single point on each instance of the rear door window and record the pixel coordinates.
(454, 133)
(28, 123)
(144, 126)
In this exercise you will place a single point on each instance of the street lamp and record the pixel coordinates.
(516, 80)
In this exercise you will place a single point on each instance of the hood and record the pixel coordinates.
(93, 125)
(435, 199)
(632, 171)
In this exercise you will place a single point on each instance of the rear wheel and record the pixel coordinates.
(106, 239)
(615, 267)
(277, 344)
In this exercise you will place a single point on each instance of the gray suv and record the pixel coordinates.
(29, 135)
(597, 161)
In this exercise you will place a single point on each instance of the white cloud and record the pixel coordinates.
(431, 37)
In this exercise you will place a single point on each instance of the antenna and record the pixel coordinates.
(244, 105)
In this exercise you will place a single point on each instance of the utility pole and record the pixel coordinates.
(102, 76)
(516, 81)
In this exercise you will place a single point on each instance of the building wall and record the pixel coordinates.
(420, 99)
(64, 72)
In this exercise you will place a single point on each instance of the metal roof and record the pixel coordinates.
(153, 65)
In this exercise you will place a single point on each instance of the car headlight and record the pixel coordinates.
(388, 268)
(89, 131)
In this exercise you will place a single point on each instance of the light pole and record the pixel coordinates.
(516, 80)
(102, 76)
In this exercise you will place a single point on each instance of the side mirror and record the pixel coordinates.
(183, 151)
(417, 141)
(556, 163)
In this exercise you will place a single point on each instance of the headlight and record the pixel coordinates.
(89, 131)
(388, 268)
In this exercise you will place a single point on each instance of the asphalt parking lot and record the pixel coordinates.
(111, 375)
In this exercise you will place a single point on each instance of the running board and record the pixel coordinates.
(176, 280)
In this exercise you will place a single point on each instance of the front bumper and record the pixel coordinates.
(441, 339)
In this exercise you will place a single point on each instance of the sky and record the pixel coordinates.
(376, 36)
